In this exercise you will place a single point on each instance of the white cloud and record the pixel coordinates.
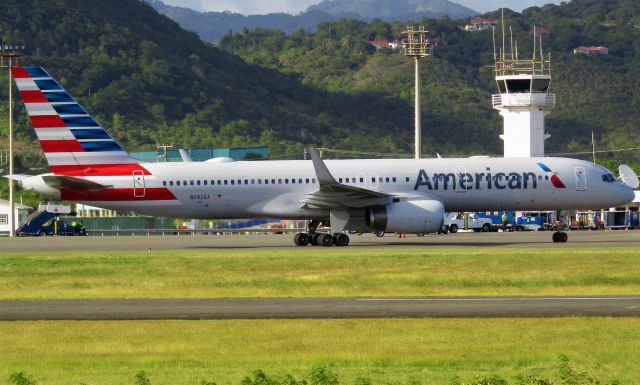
(258, 7)
(246, 7)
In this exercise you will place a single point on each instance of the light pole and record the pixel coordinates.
(418, 47)
(10, 56)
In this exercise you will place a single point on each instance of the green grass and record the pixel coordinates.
(320, 272)
(429, 351)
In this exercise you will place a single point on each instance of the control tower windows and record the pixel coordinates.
(519, 85)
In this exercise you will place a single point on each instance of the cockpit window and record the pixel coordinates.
(609, 178)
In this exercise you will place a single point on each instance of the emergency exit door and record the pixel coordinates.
(581, 179)
(138, 184)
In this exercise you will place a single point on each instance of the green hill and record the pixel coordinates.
(594, 93)
(148, 81)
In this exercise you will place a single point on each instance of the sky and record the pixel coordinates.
(257, 7)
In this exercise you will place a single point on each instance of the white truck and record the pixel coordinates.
(455, 221)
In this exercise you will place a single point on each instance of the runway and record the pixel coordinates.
(320, 308)
(537, 239)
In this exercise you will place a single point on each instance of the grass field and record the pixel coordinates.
(320, 272)
(427, 351)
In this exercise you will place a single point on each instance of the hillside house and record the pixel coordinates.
(481, 24)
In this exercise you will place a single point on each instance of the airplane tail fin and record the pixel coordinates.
(73, 142)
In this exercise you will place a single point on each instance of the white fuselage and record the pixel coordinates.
(277, 188)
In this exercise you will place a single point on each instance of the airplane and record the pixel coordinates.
(393, 195)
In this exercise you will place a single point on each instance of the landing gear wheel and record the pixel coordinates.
(379, 233)
(301, 239)
(341, 239)
(453, 229)
(560, 237)
(325, 240)
(315, 238)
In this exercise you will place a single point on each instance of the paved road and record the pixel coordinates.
(537, 239)
(285, 308)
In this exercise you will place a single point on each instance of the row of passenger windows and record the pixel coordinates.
(236, 182)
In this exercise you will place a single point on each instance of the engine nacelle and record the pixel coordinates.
(37, 184)
(411, 217)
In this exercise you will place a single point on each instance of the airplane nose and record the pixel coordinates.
(629, 194)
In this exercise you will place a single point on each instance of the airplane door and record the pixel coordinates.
(581, 179)
(138, 184)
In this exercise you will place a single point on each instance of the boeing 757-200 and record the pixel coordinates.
(394, 195)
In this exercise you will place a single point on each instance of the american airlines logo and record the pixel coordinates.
(477, 181)
(555, 180)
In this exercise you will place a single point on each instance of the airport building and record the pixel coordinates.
(21, 212)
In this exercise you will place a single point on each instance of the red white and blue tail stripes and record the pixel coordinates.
(70, 138)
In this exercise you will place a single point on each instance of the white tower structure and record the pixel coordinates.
(524, 100)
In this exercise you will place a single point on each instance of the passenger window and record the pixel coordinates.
(386, 179)
(184, 183)
(393, 179)
(178, 183)
(198, 182)
(279, 181)
(266, 181)
(164, 182)
(205, 182)
(286, 181)
(273, 181)
(191, 182)
(313, 180)
(246, 181)
(300, 181)
(171, 183)
(233, 182)
(339, 180)
(361, 180)
(353, 180)
(225, 182)
(407, 178)
(293, 181)
(307, 181)
(253, 181)
(219, 182)
(259, 181)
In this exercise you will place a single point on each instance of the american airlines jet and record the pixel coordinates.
(394, 195)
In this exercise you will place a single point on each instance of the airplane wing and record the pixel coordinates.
(334, 195)
(58, 181)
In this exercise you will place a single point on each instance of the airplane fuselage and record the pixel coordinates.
(277, 188)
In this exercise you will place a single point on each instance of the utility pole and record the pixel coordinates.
(164, 147)
(10, 56)
(418, 47)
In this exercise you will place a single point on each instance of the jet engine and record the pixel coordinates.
(411, 217)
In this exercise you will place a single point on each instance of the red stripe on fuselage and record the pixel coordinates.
(99, 169)
(19, 72)
(35, 96)
(46, 121)
(117, 195)
(61, 146)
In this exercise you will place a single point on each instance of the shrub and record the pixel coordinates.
(21, 378)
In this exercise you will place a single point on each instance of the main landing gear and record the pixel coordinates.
(559, 236)
(320, 239)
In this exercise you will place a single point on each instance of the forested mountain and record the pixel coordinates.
(211, 26)
(148, 81)
(594, 93)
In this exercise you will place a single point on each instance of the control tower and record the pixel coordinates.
(524, 100)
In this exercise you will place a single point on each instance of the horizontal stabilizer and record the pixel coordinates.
(17, 177)
(58, 181)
